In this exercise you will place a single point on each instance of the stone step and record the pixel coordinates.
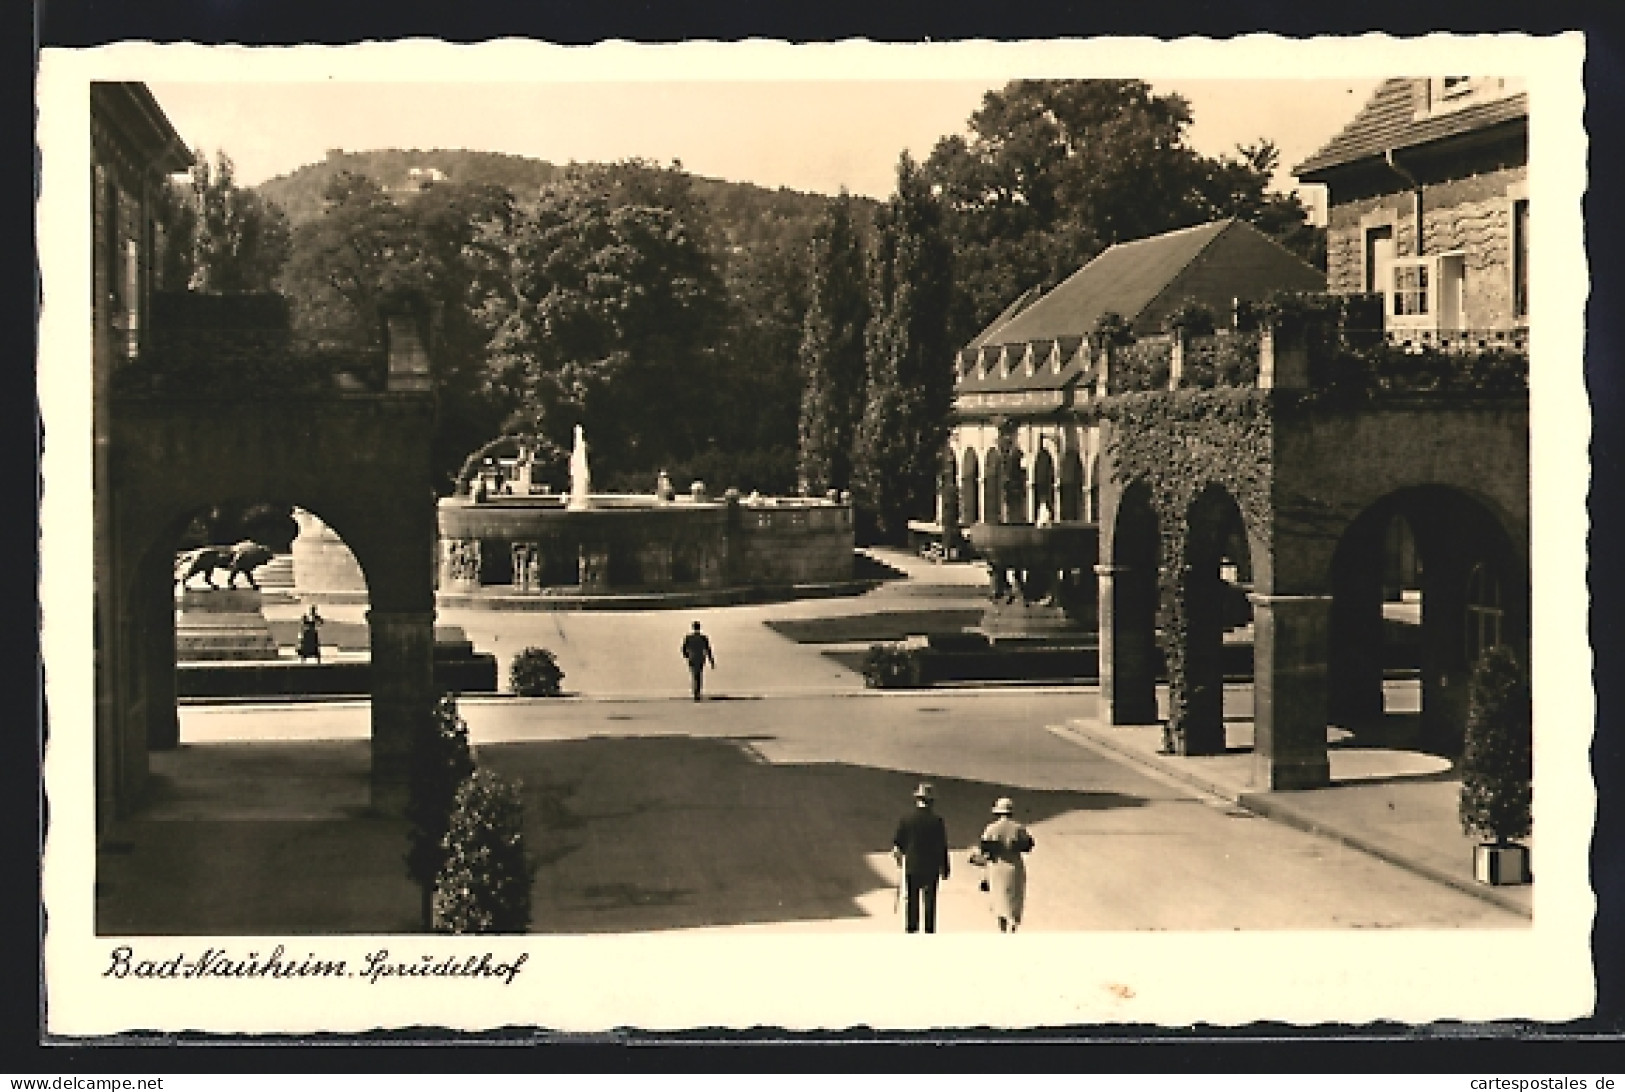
(276, 573)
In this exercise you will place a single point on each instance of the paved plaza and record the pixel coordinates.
(767, 807)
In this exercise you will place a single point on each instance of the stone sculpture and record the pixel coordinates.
(240, 559)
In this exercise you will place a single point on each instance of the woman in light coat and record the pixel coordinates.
(1002, 845)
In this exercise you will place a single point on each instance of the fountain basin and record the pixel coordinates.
(638, 543)
(1043, 587)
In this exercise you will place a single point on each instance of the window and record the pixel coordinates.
(1410, 292)
(1520, 259)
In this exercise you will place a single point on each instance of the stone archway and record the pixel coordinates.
(1072, 487)
(970, 488)
(1474, 593)
(992, 486)
(1043, 492)
(360, 462)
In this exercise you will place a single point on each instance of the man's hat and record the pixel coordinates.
(924, 792)
(1003, 806)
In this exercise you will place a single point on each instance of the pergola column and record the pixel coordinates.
(1289, 690)
(1128, 644)
(403, 698)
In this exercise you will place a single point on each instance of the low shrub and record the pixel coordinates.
(888, 666)
(484, 885)
(535, 673)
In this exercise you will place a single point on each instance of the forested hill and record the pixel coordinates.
(743, 213)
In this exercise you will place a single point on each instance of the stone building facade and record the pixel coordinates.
(179, 427)
(1428, 204)
(1020, 449)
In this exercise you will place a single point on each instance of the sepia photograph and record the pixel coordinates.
(626, 536)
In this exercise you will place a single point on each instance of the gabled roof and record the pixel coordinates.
(1125, 278)
(1391, 119)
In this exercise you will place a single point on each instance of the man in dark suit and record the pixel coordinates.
(697, 651)
(920, 847)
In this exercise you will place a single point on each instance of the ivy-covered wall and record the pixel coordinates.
(1180, 444)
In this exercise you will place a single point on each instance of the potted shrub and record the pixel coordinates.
(1497, 768)
(484, 884)
(534, 673)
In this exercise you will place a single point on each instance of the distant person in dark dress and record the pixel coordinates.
(920, 847)
(310, 642)
(697, 651)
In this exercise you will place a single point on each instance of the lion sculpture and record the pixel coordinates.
(241, 559)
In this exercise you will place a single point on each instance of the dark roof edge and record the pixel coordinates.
(1316, 167)
(135, 102)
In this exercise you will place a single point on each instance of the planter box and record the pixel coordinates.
(1501, 865)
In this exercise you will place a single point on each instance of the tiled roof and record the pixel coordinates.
(1126, 278)
(1389, 120)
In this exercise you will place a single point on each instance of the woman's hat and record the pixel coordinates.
(1003, 806)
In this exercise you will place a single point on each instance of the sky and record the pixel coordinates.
(809, 135)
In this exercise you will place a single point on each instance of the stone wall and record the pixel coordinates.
(791, 545)
(1330, 466)
(1472, 214)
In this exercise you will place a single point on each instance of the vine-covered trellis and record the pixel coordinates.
(1180, 443)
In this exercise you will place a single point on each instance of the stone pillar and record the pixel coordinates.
(1103, 372)
(1128, 644)
(1176, 359)
(1289, 690)
(1283, 361)
(403, 697)
(156, 606)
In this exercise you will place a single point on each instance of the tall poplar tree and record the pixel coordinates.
(832, 351)
(910, 360)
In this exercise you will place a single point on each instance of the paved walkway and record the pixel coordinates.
(630, 761)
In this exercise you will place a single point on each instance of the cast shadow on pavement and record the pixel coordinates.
(628, 835)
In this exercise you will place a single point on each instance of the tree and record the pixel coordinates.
(909, 392)
(1054, 171)
(445, 244)
(609, 320)
(223, 238)
(832, 352)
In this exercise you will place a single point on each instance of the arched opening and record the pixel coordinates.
(1043, 506)
(1091, 512)
(1217, 615)
(1423, 582)
(1013, 472)
(264, 599)
(970, 488)
(992, 486)
(1130, 659)
(1072, 487)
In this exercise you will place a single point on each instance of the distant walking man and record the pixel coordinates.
(697, 651)
(920, 848)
